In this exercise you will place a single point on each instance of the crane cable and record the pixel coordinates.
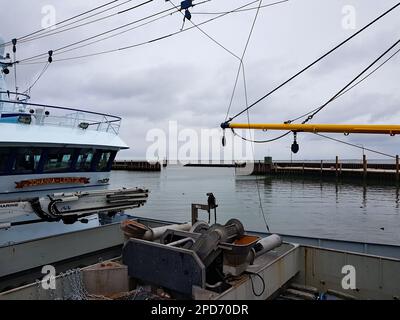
(316, 61)
(352, 84)
(241, 66)
(28, 90)
(355, 145)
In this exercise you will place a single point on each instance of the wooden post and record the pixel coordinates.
(364, 165)
(337, 165)
(322, 166)
(397, 167)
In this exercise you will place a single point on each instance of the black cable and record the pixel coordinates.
(241, 63)
(351, 82)
(130, 29)
(28, 90)
(101, 34)
(243, 10)
(92, 37)
(247, 101)
(350, 88)
(112, 36)
(355, 146)
(149, 41)
(315, 61)
(261, 141)
(50, 32)
(252, 283)
(226, 49)
(15, 73)
(63, 21)
(206, 34)
(340, 93)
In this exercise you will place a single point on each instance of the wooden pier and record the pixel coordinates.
(129, 165)
(216, 165)
(385, 172)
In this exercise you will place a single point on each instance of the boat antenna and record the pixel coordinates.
(14, 50)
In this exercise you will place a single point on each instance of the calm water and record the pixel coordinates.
(291, 206)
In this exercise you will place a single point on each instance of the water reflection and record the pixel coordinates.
(342, 210)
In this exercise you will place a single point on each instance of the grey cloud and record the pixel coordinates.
(190, 79)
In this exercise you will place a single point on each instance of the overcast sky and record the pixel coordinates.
(189, 79)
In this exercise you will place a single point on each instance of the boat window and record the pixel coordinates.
(4, 152)
(104, 160)
(84, 160)
(26, 160)
(58, 160)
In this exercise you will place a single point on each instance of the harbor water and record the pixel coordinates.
(324, 209)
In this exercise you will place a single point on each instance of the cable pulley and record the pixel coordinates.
(50, 59)
(295, 146)
(14, 43)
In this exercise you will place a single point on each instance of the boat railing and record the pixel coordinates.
(43, 114)
(15, 96)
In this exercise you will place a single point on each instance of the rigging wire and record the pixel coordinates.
(350, 88)
(241, 63)
(130, 29)
(15, 72)
(311, 116)
(248, 115)
(355, 145)
(149, 41)
(28, 90)
(61, 22)
(105, 38)
(316, 61)
(117, 34)
(38, 56)
(206, 34)
(87, 39)
(352, 84)
(241, 66)
(243, 10)
(49, 33)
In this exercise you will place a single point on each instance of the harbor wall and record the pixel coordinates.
(378, 172)
(130, 165)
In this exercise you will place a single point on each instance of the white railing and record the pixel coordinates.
(41, 114)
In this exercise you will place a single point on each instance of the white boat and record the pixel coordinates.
(55, 165)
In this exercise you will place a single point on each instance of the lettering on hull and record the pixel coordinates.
(44, 181)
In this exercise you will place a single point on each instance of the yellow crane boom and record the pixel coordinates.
(317, 128)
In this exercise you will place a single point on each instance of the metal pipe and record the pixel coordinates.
(267, 244)
(181, 241)
(156, 233)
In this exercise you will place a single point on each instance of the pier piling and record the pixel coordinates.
(337, 169)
